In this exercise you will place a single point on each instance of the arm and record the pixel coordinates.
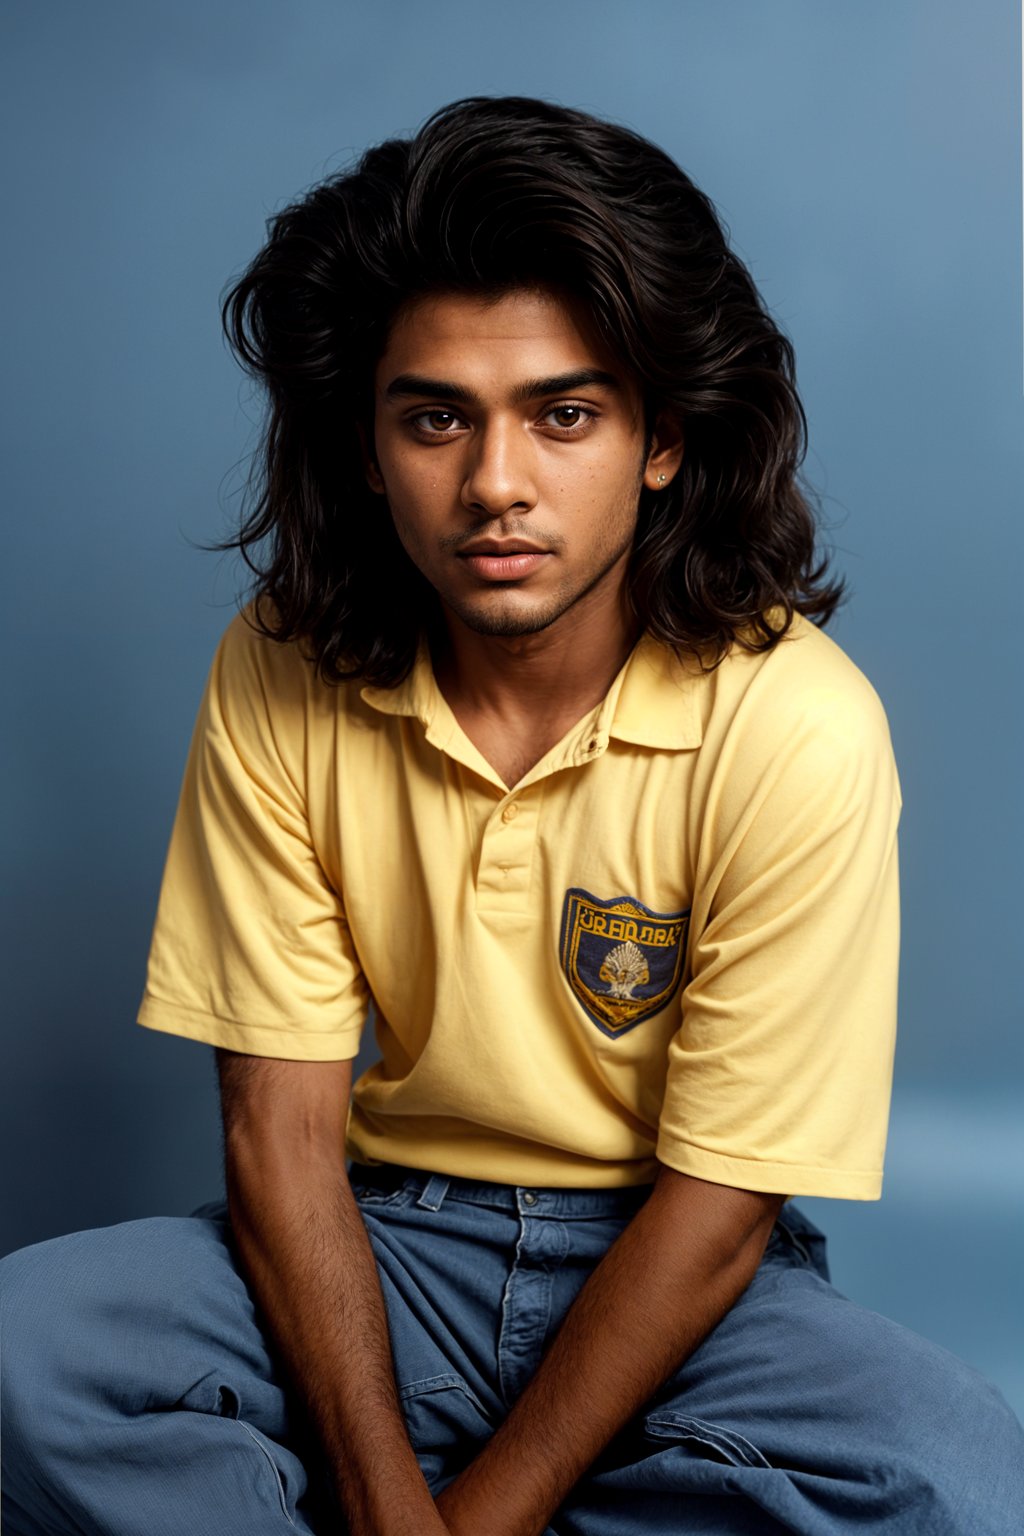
(676, 1269)
(307, 1256)
(778, 1076)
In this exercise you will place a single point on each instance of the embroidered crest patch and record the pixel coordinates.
(622, 960)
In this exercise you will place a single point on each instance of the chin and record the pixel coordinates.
(508, 621)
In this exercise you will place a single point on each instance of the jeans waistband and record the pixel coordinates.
(536, 1199)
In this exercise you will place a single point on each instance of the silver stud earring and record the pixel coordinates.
(661, 479)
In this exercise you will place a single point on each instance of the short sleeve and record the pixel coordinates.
(251, 950)
(779, 1076)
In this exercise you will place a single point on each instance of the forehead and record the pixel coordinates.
(484, 340)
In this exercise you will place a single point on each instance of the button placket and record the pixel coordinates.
(506, 852)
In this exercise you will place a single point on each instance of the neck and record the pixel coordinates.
(555, 675)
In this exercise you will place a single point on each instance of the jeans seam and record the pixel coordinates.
(272, 1464)
(445, 1381)
(716, 1436)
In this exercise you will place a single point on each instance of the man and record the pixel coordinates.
(528, 741)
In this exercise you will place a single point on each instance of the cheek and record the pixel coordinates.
(413, 517)
(419, 488)
(618, 468)
(417, 522)
(615, 485)
(407, 528)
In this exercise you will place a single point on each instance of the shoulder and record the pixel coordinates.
(802, 711)
(267, 697)
(246, 656)
(806, 681)
(251, 668)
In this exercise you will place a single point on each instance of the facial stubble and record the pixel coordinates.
(507, 621)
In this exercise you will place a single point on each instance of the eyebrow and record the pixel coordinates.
(418, 386)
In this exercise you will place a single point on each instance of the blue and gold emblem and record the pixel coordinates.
(623, 961)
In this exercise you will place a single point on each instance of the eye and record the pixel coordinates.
(435, 423)
(570, 418)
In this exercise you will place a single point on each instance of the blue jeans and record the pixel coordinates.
(143, 1399)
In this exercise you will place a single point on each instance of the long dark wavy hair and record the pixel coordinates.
(494, 194)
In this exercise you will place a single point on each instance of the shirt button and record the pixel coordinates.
(529, 1198)
(510, 812)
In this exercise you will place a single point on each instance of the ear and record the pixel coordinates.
(371, 469)
(666, 453)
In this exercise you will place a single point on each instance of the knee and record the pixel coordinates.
(960, 1444)
(62, 1306)
(920, 1430)
(948, 1397)
(37, 1295)
(36, 1316)
(976, 1419)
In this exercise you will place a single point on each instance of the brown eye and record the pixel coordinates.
(436, 423)
(570, 418)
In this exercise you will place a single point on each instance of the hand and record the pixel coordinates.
(621, 1339)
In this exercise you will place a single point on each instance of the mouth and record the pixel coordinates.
(493, 560)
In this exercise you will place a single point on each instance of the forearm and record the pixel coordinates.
(663, 1285)
(305, 1250)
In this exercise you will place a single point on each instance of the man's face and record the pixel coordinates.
(511, 449)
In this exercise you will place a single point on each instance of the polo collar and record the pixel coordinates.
(653, 702)
(658, 702)
(417, 695)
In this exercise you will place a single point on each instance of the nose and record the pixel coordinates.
(501, 471)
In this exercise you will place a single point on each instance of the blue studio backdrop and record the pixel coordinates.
(867, 160)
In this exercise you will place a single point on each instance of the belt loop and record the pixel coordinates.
(434, 1192)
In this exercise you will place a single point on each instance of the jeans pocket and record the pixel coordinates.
(447, 1425)
(712, 1442)
(370, 1197)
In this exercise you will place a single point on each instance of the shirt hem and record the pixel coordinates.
(249, 1039)
(769, 1178)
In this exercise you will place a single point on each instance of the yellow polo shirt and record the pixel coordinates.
(675, 939)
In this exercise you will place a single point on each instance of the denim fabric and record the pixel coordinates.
(141, 1395)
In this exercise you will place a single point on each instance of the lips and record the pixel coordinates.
(493, 561)
(502, 548)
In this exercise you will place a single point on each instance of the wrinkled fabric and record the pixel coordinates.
(141, 1395)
